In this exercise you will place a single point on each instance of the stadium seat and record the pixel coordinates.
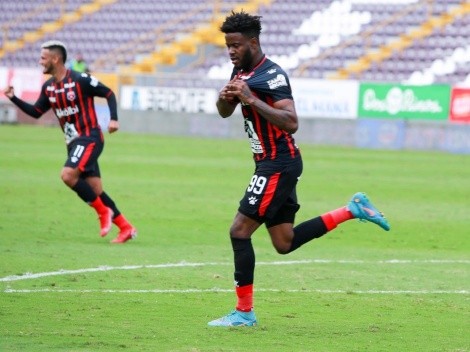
(309, 38)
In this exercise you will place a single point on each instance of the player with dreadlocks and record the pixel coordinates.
(270, 120)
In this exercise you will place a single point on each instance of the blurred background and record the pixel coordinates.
(411, 56)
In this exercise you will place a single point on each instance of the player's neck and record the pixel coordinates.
(60, 73)
(256, 61)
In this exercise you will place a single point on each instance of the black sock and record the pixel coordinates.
(307, 231)
(84, 191)
(244, 257)
(110, 204)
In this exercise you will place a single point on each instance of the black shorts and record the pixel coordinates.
(83, 152)
(271, 197)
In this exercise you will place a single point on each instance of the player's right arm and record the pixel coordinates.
(36, 110)
(227, 101)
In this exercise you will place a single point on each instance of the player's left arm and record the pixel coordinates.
(112, 105)
(100, 90)
(281, 114)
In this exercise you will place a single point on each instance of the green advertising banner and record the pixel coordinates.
(407, 102)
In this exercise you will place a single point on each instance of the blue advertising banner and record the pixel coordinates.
(380, 134)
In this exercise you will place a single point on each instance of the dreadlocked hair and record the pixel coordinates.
(241, 22)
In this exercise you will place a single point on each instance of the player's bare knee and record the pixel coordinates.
(235, 232)
(282, 249)
(69, 178)
(239, 232)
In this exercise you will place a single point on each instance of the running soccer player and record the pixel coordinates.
(263, 90)
(70, 95)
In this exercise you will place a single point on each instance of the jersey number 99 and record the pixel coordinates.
(257, 184)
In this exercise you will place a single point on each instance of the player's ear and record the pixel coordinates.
(55, 58)
(254, 42)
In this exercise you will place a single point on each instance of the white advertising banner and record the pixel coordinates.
(325, 98)
(196, 100)
(26, 81)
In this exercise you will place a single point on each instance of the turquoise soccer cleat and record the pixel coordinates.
(362, 209)
(235, 318)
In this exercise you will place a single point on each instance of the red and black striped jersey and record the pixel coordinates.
(72, 101)
(270, 83)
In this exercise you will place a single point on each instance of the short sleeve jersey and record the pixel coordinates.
(72, 101)
(268, 82)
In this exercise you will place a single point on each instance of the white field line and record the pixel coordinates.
(219, 290)
(32, 276)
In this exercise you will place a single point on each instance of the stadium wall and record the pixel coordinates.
(342, 113)
(363, 133)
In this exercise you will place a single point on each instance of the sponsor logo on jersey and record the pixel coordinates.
(69, 85)
(271, 71)
(94, 81)
(279, 81)
(71, 95)
(245, 76)
(67, 111)
(52, 99)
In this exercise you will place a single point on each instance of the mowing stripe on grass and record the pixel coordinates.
(31, 276)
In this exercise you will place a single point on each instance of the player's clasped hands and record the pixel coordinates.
(227, 93)
(236, 90)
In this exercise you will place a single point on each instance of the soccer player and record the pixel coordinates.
(263, 90)
(70, 95)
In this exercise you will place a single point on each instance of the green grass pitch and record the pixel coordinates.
(359, 288)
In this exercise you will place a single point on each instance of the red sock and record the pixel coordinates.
(121, 222)
(336, 217)
(245, 298)
(98, 205)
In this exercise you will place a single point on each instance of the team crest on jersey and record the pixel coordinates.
(71, 95)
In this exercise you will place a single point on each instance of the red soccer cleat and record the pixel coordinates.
(125, 235)
(106, 222)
